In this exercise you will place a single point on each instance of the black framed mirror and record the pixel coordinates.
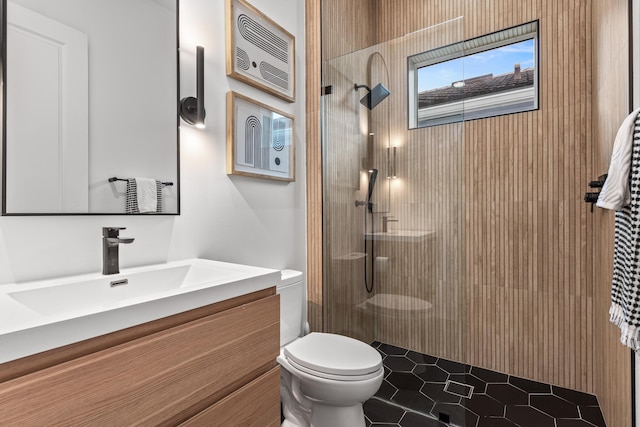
(90, 94)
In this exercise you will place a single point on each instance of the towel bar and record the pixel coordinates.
(166, 184)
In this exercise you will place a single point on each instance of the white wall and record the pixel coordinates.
(236, 219)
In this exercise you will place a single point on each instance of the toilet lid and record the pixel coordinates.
(334, 354)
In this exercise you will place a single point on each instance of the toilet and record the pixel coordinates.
(324, 378)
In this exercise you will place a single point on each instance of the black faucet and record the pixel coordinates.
(110, 243)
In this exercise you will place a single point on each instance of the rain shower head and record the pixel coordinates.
(374, 96)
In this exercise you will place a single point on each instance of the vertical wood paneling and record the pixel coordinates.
(611, 105)
(313, 164)
(520, 271)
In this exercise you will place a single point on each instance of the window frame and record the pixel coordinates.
(453, 112)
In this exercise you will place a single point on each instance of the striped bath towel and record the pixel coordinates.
(132, 206)
(625, 290)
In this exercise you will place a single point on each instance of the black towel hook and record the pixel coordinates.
(592, 197)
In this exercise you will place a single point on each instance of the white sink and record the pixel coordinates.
(38, 316)
(81, 295)
(400, 235)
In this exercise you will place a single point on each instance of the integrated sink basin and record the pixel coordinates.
(73, 295)
(38, 316)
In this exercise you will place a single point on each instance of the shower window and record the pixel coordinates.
(490, 75)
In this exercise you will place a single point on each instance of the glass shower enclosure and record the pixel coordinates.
(394, 217)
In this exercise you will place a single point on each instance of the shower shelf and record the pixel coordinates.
(400, 235)
(352, 256)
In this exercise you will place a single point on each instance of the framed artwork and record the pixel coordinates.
(259, 140)
(259, 51)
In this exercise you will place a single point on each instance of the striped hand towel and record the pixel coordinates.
(132, 198)
(625, 289)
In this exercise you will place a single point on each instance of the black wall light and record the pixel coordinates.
(192, 109)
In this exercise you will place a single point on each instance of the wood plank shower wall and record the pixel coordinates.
(536, 262)
(610, 107)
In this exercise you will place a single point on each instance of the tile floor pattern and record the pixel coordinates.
(419, 388)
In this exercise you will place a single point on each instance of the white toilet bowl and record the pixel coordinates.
(325, 378)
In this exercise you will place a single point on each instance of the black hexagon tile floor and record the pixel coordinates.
(424, 391)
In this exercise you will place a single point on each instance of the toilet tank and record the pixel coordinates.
(292, 302)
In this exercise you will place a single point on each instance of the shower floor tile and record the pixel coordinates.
(420, 390)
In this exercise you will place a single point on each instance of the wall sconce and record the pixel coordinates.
(192, 109)
(391, 162)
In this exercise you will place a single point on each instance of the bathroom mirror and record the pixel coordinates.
(90, 92)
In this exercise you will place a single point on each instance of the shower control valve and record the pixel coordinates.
(385, 222)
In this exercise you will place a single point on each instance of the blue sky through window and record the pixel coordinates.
(495, 61)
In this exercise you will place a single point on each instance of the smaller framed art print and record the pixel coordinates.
(260, 140)
(259, 51)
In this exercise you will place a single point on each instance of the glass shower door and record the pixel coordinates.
(394, 224)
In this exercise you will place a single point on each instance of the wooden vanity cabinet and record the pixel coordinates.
(212, 366)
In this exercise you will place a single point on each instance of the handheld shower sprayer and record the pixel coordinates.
(372, 183)
(373, 174)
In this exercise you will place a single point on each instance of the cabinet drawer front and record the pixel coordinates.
(165, 377)
(257, 404)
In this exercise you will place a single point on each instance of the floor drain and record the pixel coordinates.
(443, 417)
(459, 389)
